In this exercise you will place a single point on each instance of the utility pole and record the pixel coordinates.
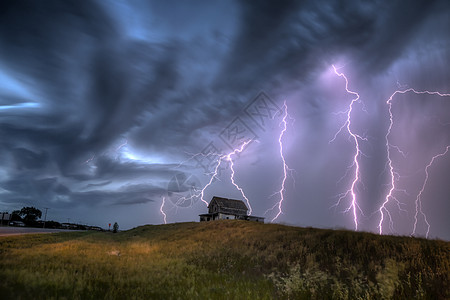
(45, 217)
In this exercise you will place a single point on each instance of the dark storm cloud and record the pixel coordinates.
(108, 168)
(49, 191)
(40, 43)
(120, 91)
(98, 184)
(26, 189)
(131, 194)
(123, 88)
(120, 79)
(293, 39)
(43, 43)
(93, 85)
(28, 159)
(395, 31)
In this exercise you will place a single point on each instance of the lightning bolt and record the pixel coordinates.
(285, 166)
(235, 184)
(383, 208)
(354, 206)
(122, 145)
(161, 209)
(419, 200)
(214, 175)
(117, 150)
(89, 160)
(393, 174)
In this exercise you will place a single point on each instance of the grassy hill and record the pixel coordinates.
(223, 260)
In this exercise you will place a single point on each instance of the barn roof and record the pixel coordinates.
(229, 204)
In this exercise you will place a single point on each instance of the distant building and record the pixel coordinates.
(228, 209)
(94, 228)
(5, 217)
(68, 226)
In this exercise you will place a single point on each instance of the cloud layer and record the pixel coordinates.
(101, 101)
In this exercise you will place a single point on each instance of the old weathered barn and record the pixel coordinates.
(223, 209)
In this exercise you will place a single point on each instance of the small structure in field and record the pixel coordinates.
(224, 209)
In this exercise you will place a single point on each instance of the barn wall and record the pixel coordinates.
(212, 208)
(226, 216)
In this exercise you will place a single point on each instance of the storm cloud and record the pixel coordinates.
(103, 104)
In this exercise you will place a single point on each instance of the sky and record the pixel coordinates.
(111, 111)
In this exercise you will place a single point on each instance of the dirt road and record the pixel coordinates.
(7, 231)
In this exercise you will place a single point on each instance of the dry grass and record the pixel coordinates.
(223, 260)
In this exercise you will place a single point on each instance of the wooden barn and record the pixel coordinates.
(228, 209)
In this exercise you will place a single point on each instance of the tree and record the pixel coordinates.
(30, 213)
(115, 227)
(15, 216)
(52, 224)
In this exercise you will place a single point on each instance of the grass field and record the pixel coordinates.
(223, 260)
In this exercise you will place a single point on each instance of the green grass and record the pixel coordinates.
(223, 260)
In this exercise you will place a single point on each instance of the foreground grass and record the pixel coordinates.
(223, 260)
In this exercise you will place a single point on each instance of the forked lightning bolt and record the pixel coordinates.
(227, 158)
(285, 166)
(383, 208)
(214, 175)
(354, 206)
(419, 200)
(235, 184)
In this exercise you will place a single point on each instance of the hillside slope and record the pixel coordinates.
(223, 260)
